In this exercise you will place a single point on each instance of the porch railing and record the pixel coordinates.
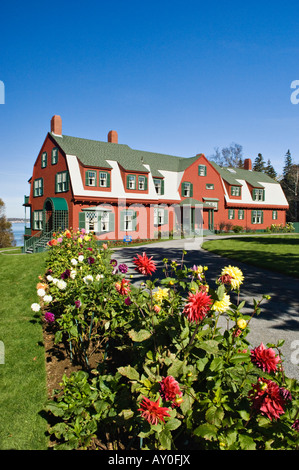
(37, 242)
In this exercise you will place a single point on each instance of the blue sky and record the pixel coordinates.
(175, 77)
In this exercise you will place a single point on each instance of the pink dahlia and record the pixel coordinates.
(170, 390)
(144, 265)
(265, 358)
(267, 399)
(198, 306)
(152, 412)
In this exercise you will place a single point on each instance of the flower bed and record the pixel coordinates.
(153, 369)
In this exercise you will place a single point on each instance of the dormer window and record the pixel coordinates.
(236, 191)
(104, 179)
(131, 182)
(159, 186)
(142, 183)
(258, 194)
(90, 178)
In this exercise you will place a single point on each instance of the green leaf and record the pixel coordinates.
(172, 424)
(165, 439)
(207, 431)
(175, 368)
(246, 442)
(215, 416)
(210, 346)
(139, 336)
(129, 372)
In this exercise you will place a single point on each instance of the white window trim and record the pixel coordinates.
(103, 177)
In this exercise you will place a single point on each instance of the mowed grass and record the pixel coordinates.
(278, 253)
(23, 374)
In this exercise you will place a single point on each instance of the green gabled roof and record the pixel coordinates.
(254, 178)
(96, 153)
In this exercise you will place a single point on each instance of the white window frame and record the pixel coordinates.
(37, 220)
(274, 215)
(103, 179)
(158, 186)
(141, 183)
(132, 181)
(241, 214)
(256, 217)
(91, 178)
(104, 221)
(38, 187)
(91, 221)
(231, 214)
(159, 216)
(259, 195)
(202, 170)
(61, 182)
(235, 191)
(187, 189)
(128, 221)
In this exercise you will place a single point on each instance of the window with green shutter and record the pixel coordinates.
(81, 220)
(38, 187)
(235, 191)
(44, 159)
(142, 183)
(54, 155)
(187, 189)
(131, 181)
(128, 221)
(257, 217)
(274, 215)
(62, 182)
(231, 214)
(104, 179)
(159, 186)
(90, 178)
(241, 214)
(202, 170)
(258, 194)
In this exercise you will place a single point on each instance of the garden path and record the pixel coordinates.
(279, 318)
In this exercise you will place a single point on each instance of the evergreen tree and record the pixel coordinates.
(288, 164)
(259, 164)
(6, 235)
(269, 170)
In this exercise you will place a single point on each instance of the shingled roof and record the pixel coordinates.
(234, 175)
(96, 153)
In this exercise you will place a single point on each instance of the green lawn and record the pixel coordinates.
(23, 375)
(275, 252)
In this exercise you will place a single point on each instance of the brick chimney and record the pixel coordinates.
(113, 137)
(56, 125)
(248, 164)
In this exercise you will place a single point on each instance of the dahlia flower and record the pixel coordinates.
(266, 398)
(170, 390)
(265, 358)
(41, 292)
(236, 276)
(61, 284)
(35, 307)
(152, 412)
(221, 306)
(198, 306)
(123, 287)
(144, 265)
(49, 317)
(295, 425)
(160, 295)
(48, 299)
(123, 268)
(80, 258)
(74, 261)
(88, 279)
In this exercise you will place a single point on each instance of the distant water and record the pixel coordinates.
(18, 232)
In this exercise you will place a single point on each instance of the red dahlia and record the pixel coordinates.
(198, 306)
(152, 412)
(144, 265)
(170, 390)
(267, 399)
(265, 359)
(123, 287)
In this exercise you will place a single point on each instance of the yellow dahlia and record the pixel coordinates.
(236, 276)
(160, 295)
(221, 306)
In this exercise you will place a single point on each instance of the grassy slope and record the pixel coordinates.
(22, 376)
(278, 253)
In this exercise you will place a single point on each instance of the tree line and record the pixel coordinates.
(232, 157)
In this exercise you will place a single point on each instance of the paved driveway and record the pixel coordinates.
(280, 316)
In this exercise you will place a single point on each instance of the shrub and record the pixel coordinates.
(237, 228)
(170, 376)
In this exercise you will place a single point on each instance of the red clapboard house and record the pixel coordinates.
(114, 191)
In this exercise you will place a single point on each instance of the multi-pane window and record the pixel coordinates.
(209, 186)
(62, 182)
(257, 217)
(54, 156)
(38, 187)
(104, 222)
(159, 186)
(231, 214)
(274, 215)
(258, 194)
(103, 179)
(159, 216)
(90, 178)
(202, 170)
(241, 214)
(235, 191)
(91, 221)
(37, 220)
(141, 183)
(187, 190)
(44, 159)
(131, 182)
(128, 221)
